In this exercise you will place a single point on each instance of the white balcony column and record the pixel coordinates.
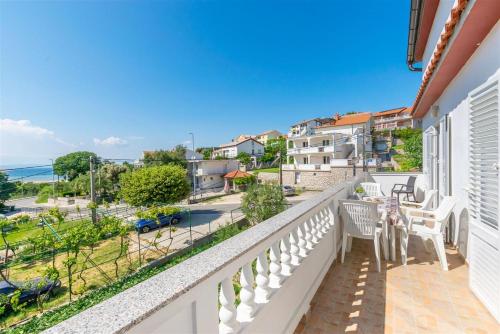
(325, 220)
(275, 277)
(308, 235)
(294, 248)
(286, 258)
(309, 159)
(314, 229)
(227, 312)
(262, 279)
(303, 249)
(247, 307)
(320, 229)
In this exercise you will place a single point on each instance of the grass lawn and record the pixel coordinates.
(22, 232)
(267, 170)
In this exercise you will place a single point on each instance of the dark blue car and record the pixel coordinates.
(146, 225)
(29, 289)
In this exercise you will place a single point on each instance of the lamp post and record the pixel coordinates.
(194, 170)
(53, 181)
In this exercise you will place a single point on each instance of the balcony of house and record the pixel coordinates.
(382, 119)
(290, 279)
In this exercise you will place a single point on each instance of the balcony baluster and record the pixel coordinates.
(247, 307)
(275, 277)
(262, 279)
(227, 312)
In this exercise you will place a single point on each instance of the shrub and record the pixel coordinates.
(154, 185)
(262, 202)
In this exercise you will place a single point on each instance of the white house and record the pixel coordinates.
(231, 150)
(458, 45)
(329, 142)
(210, 173)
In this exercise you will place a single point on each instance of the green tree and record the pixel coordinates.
(73, 164)
(148, 186)
(272, 148)
(6, 188)
(244, 158)
(262, 202)
(176, 156)
(413, 150)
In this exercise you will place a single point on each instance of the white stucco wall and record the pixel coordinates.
(484, 63)
(247, 147)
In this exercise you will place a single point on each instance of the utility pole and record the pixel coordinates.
(92, 191)
(281, 168)
(194, 165)
(53, 181)
(364, 153)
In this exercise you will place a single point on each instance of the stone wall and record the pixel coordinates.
(266, 177)
(319, 180)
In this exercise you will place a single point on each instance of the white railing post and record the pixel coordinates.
(286, 258)
(262, 279)
(246, 309)
(227, 312)
(308, 235)
(294, 248)
(314, 229)
(303, 250)
(275, 277)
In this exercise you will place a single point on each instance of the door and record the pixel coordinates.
(431, 157)
(483, 189)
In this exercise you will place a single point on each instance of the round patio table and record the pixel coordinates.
(391, 206)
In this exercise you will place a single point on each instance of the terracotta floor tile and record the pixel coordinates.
(417, 298)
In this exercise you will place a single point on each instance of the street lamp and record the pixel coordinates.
(193, 158)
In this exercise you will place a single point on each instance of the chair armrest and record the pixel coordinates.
(396, 185)
(410, 204)
(419, 213)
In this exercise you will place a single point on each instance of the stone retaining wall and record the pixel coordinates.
(319, 180)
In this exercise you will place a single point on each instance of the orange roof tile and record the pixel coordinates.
(348, 120)
(390, 111)
(235, 174)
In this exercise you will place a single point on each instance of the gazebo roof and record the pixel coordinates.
(235, 174)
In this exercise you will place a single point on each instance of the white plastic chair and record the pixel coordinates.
(428, 224)
(372, 189)
(360, 221)
(424, 205)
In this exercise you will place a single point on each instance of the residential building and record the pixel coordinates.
(392, 119)
(265, 136)
(231, 150)
(210, 173)
(321, 151)
(458, 45)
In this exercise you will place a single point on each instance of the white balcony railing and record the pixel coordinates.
(392, 119)
(291, 251)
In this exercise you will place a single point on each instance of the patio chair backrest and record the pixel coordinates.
(410, 185)
(444, 210)
(428, 199)
(372, 189)
(360, 218)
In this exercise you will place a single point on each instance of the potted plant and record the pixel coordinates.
(359, 192)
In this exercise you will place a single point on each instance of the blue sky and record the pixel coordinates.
(120, 77)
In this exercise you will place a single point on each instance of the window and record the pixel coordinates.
(326, 159)
(253, 151)
(305, 160)
(297, 177)
(326, 142)
(304, 144)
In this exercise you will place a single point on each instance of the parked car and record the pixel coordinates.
(146, 225)
(30, 289)
(288, 191)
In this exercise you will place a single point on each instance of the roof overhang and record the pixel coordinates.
(459, 40)
(422, 14)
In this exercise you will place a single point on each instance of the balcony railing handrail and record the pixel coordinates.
(184, 286)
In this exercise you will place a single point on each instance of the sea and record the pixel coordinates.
(25, 173)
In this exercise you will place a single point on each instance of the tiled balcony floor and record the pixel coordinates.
(418, 298)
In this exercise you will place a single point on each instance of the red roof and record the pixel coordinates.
(390, 112)
(350, 119)
(235, 174)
